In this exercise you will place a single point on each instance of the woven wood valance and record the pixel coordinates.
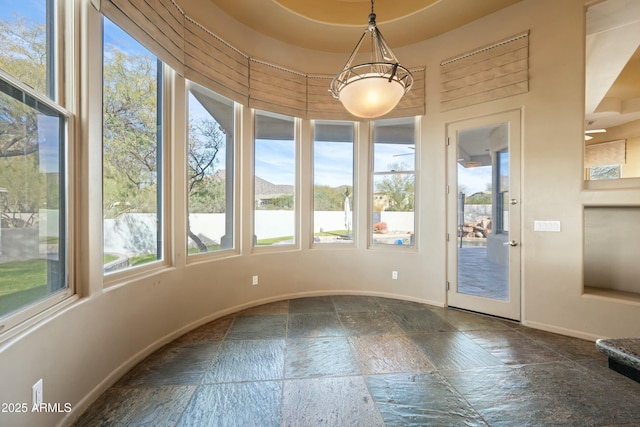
(213, 63)
(605, 154)
(277, 89)
(158, 25)
(495, 71)
(201, 56)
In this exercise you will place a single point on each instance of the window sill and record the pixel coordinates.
(612, 184)
(19, 324)
(611, 294)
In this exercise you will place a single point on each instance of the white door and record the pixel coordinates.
(483, 159)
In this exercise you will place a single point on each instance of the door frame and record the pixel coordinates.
(512, 308)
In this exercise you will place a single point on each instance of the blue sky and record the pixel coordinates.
(333, 163)
(386, 155)
(275, 161)
(115, 36)
(49, 143)
(475, 179)
(197, 112)
(34, 9)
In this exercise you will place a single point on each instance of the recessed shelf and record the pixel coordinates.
(611, 248)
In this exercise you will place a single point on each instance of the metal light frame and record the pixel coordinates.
(384, 65)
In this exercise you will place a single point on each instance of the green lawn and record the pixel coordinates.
(20, 275)
(273, 240)
(333, 233)
(142, 259)
(19, 299)
(211, 248)
(22, 283)
(108, 258)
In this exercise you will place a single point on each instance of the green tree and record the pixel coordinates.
(327, 198)
(131, 148)
(398, 188)
(130, 144)
(481, 198)
(23, 191)
(281, 202)
(23, 55)
(24, 51)
(206, 186)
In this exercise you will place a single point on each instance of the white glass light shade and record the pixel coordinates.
(374, 88)
(371, 95)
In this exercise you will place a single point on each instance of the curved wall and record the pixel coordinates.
(81, 349)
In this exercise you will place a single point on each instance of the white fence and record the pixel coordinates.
(134, 234)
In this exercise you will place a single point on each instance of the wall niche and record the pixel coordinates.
(612, 250)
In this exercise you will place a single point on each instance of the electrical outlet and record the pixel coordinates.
(255, 280)
(37, 393)
(394, 275)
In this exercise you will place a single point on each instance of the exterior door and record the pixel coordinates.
(483, 272)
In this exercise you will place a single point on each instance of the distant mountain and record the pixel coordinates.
(266, 190)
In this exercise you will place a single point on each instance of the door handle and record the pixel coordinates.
(510, 243)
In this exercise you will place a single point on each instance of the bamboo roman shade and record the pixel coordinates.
(158, 25)
(491, 72)
(605, 154)
(201, 56)
(413, 102)
(321, 104)
(277, 89)
(213, 63)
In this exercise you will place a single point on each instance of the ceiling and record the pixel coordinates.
(336, 25)
(613, 36)
(612, 64)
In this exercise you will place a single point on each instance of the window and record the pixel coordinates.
(604, 172)
(333, 182)
(393, 220)
(33, 181)
(275, 177)
(609, 160)
(28, 39)
(211, 166)
(132, 152)
(502, 192)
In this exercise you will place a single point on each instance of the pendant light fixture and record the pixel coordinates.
(374, 88)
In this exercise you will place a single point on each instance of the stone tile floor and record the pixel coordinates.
(367, 361)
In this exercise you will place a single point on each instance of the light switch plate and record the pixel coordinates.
(546, 226)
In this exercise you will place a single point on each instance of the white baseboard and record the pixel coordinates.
(563, 331)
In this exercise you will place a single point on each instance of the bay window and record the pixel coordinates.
(393, 182)
(132, 152)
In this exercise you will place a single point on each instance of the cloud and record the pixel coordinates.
(474, 179)
(333, 163)
(275, 161)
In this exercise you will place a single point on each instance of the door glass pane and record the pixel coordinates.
(483, 212)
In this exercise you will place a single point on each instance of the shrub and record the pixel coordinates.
(380, 227)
